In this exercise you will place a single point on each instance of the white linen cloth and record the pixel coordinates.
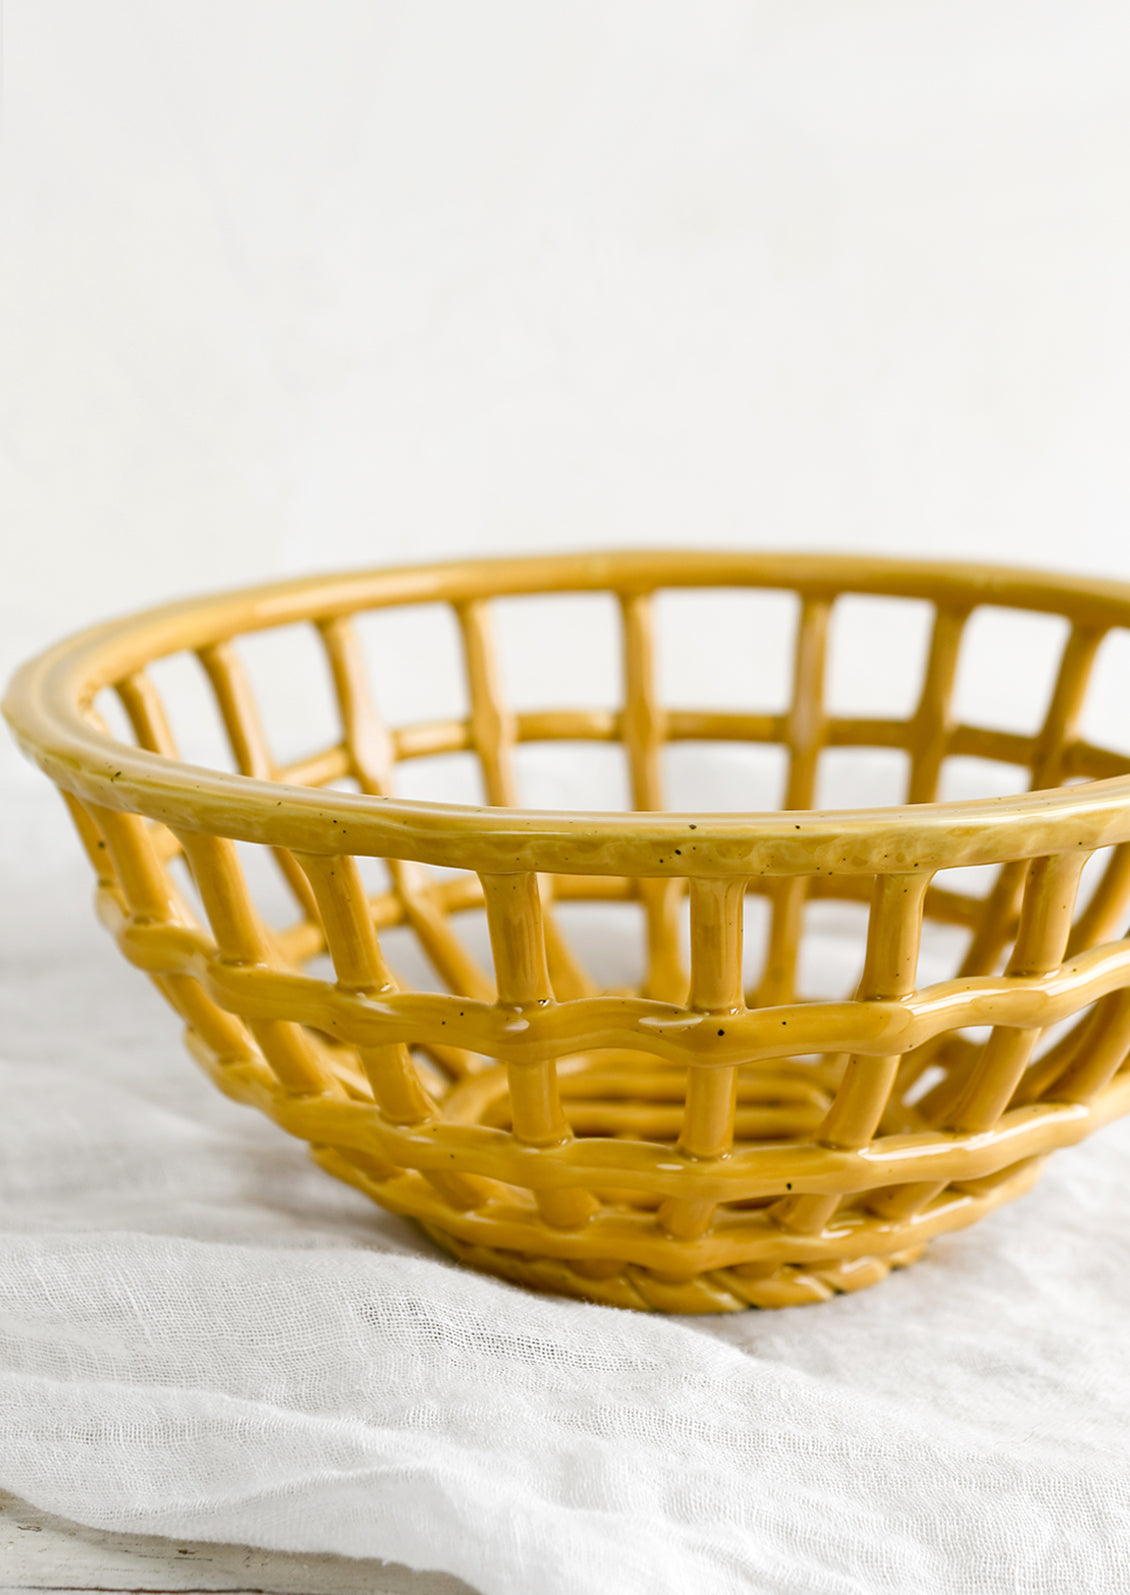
(203, 1335)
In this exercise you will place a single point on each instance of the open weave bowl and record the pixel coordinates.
(703, 1137)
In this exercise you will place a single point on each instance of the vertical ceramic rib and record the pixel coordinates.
(242, 939)
(142, 887)
(805, 733)
(142, 703)
(240, 714)
(1105, 1044)
(972, 1100)
(1045, 922)
(143, 881)
(493, 735)
(932, 725)
(94, 843)
(1061, 724)
(370, 752)
(717, 909)
(894, 933)
(238, 710)
(981, 1089)
(643, 731)
(146, 711)
(1003, 903)
(361, 971)
(517, 941)
(365, 736)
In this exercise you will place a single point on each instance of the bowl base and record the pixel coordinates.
(723, 1290)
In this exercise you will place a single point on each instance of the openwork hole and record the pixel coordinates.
(408, 963)
(613, 1094)
(375, 877)
(190, 708)
(572, 775)
(440, 778)
(290, 680)
(965, 776)
(1102, 906)
(975, 1035)
(756, 919)
(722, 649)
(932, 1076)
(972, 913)
(377, 884)
(432, 932)
(1093, 878)
(607, 939)
(320, 967)
(1104, 720)
(720, 777)
(185, 886)
(832, 949)
(974, 882)
(108, 705)
(877, 655)
(990, 688)
(941, 951)
(470, 927)
(392, 641)
(1055, 1035)
(559, 651)
(861, 778)
(274, 882)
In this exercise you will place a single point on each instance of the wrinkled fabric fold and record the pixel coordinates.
(203, 1336)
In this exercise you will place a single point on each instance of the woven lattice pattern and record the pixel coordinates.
(709, 1138)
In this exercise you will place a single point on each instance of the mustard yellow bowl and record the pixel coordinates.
(445, 999)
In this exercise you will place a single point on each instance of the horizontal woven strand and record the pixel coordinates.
(426, 739)
(750, 1239)
(303, 940)
(841, 844)
(874, 1028)
(1025, 1134)
(763, 1171)
(746, 1175)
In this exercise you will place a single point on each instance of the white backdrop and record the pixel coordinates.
(292, 286)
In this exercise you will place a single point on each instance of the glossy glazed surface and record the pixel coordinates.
(709, 1136)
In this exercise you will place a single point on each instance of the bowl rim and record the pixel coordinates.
(49, 695)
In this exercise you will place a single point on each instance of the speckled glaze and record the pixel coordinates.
(693, 1145)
